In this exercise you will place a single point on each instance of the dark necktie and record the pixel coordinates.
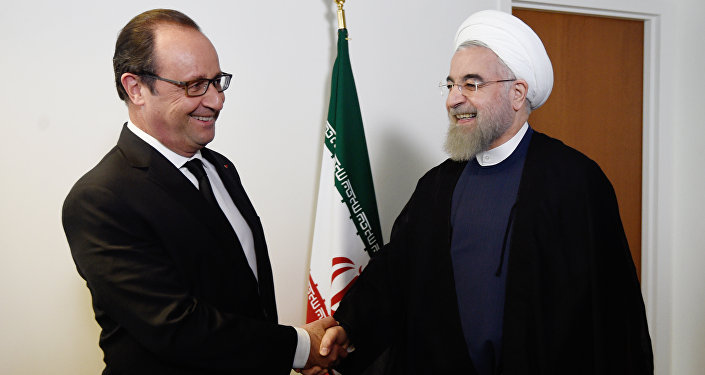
(195, 166)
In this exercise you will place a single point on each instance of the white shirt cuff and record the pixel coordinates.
(303, 348)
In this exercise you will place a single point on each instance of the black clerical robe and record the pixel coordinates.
(573, 302)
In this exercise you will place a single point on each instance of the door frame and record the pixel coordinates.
(656, 272)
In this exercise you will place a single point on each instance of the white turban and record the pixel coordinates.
(517, 45)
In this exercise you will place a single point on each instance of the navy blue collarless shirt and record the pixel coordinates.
(481, 221)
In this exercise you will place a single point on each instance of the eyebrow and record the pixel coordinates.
(203, 76)
(467, 77)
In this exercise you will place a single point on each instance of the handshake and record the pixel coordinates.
(329, 344)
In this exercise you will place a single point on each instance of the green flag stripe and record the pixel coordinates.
(345, 139)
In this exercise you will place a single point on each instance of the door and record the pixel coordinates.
(596, 103)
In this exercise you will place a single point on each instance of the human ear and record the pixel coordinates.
(133, 86)
(518, 93)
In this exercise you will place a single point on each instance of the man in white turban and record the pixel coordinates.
(510, 257)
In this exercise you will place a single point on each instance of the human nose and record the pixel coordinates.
(455, 97)
(213, 99)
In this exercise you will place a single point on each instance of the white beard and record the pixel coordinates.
(463, 143)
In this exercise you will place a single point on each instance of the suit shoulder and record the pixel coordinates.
(105, 170)
(111, 176)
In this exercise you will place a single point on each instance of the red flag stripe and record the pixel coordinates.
(339, 260)
(339, 271)
(339, 296)
(315, 308)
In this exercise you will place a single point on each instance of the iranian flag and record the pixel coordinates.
(347, 231)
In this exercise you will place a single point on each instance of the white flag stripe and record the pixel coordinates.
(334, 236)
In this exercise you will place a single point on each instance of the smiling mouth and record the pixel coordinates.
(204, 118)
(464, 116)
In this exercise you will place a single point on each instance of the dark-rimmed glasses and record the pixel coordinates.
(467, 87)
(198, 87)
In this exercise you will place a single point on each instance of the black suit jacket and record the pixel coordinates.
(171, 287)
(573, 303)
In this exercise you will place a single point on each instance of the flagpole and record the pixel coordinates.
(341, 14)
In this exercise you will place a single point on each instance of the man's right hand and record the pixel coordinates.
(336, 345)
(334, 337)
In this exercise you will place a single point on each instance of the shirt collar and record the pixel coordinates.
(172, 156)
(501, 152)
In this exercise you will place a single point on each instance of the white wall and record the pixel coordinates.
(689, 192)
(62, 114)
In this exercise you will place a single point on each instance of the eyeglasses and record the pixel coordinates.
(467, 87)
(198, 87)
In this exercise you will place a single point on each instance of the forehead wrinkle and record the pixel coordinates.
(467, 77)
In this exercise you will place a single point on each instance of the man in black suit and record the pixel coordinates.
(173, 252)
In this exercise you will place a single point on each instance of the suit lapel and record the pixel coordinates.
(163, 173)
(228, 174)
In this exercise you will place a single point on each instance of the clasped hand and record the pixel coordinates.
(329, 344)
